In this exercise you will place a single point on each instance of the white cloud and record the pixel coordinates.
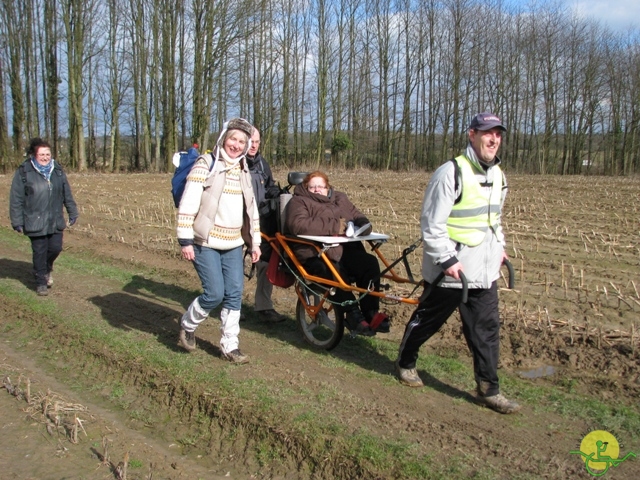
(619, 15)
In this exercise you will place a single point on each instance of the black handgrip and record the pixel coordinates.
(463, 280)
(465, 287)
(512, 276)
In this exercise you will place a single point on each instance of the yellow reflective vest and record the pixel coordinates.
(478, 209)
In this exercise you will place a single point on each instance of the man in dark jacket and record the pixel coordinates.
(265, 191)
(38, 192)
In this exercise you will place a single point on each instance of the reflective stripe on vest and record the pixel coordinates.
(478, 210)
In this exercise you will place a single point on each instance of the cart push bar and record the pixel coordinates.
(463, 280)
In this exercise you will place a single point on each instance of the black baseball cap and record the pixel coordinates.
(486, 121)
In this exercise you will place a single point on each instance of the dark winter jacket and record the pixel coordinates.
(266, 192)
(314, 214)
(264, 186)
(35, 204)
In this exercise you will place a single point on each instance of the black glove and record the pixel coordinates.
(18, 228)
(360, 221)
(273, 191)
(72, 221)
(268, 207)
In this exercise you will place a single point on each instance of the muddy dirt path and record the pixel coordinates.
(33, 448)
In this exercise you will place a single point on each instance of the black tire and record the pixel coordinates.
(324, 331)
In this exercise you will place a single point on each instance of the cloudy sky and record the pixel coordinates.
(618, 15)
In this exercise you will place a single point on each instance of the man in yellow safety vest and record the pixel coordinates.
(461, 229)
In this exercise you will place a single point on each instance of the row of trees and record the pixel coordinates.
(122, 84)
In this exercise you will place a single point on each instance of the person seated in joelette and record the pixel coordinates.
(317, 209)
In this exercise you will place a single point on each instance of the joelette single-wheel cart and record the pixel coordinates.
(320, 319)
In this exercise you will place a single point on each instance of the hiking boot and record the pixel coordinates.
(187, 340)
(408, 376)
(500, 403)
(271, 316)
(49, 280)
(236, 356)
(42, 290)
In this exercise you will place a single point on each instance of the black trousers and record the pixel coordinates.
(355, 265)
(45, 251)
(480, 326)
(269, 226)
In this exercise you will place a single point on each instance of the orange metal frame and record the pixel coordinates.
(281, 243)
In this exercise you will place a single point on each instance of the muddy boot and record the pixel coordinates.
(187, 340)
(497, 402)
(408, 376)
(235, 356)
(229, 331)
(193, 317)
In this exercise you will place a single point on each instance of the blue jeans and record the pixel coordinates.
(221, 275)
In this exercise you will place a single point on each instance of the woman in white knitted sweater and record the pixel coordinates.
(217, 216)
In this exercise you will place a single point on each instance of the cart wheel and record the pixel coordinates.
(324, 331)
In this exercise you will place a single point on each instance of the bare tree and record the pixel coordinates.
(428, 101)
(11, 14)
(138, 25)
(299, 89)
(29, 45)
(322, 73)
(116, 84)
(217, 26)
(286, 41)
(5, 147)
(75, 21)
(52, 77)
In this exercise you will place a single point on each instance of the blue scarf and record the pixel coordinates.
(44, 170)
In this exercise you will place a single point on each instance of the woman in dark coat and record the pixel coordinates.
(317, 209)
(39, 191)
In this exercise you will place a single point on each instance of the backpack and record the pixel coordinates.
(183, 162)
(456, 175)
